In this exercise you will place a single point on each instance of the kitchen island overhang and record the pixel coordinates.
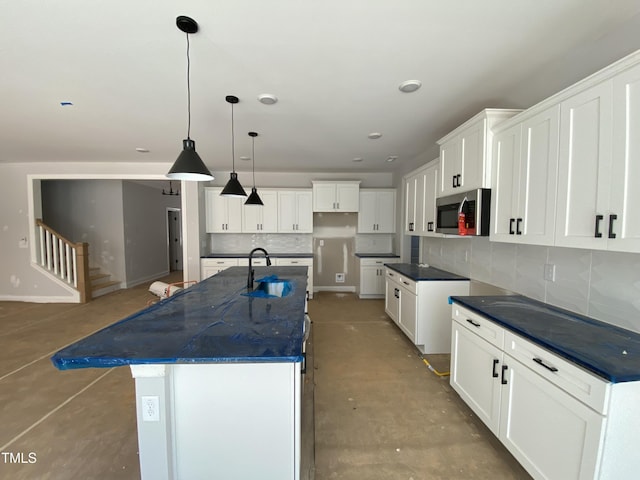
(223, 369)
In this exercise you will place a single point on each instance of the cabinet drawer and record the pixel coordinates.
(219, 262)
(377, 261)
(255, 262)
(406, 282)
(490, 331)
(303, 262)
(586, 387)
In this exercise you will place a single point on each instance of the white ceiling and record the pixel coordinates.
(335, 66)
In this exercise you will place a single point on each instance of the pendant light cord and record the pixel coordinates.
(233, 148)
(188, 91)
(253, 159)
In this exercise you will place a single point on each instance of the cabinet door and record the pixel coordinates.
(304, 212)
(536, 193)
(419, 202)
(584, 168)
(234, 214)
(450, 164)
(475, 374)
(216, 211)
(430, 192)
(287, 212)
(269, 222)
(506, 182)
(549, 432)
(472, 167)
(369, 280)
(367, 216)
(408, 313)
(324, 197)
(252, 218)
(392, 300)
(625, 194)
(386, 212)
(410, 187)
(347, 197)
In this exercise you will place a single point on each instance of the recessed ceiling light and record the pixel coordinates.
(267, 99)
(392, 158)
(374, 135)
(410, 86)
(142, 150)
(357, 159)
(245, 158)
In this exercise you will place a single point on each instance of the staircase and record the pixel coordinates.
(101, 283)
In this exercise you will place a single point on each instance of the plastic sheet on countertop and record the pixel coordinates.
(210, 322)
(609, 351)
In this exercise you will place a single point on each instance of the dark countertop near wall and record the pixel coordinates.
(258, 255)
(377, 255)
(210, 322)
(421, 274)
(610, 352)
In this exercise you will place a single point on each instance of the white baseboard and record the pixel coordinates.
(348, 289)
(148, 278)
(37, 299)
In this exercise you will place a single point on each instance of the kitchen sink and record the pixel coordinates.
(271, 287)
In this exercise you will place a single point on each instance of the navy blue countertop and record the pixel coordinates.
(610, 352)
(377, 255)
(258, 255)
(210, 322)
(421, 274)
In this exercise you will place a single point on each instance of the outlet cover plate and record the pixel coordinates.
(339, 277)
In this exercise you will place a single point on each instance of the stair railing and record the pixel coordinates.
(67, 260)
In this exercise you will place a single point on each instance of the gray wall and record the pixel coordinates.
(602, 285)
(145, 232)
(89, 211)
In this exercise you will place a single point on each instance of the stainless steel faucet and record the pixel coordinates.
(251, 272)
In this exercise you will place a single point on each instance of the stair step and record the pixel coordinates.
(98, 276)
(104, 288)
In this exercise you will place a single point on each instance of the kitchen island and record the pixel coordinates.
(217, 370)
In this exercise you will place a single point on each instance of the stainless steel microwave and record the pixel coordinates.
(464, 213)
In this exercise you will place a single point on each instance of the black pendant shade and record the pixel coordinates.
(254, 198)
(189, 165)
(233, 187)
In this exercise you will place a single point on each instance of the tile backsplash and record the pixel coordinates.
(272, 242)
(603, 285)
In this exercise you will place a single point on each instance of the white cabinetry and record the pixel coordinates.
(224, 214)
(465, 153)
(211, 266)
(525, 163)
(300, 262)
(295, 214)
(557, 419)
(421, 309)
(377, 211)
(261, 218)
(372, 276)
(336, 196)
(599, 169)
(421, 187)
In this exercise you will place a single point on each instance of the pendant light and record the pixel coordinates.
(189, 165)
(233, 187)
(254, 198)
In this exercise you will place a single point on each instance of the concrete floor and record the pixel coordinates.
(379, 412)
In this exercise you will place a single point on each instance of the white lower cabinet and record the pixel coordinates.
(421, 310)
(372, 276)
(558, 420)
(211, 266)
(300, 262)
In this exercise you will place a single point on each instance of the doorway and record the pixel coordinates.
(174, 239)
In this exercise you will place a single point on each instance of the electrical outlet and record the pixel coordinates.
(321, 243)
(339, 277)
(23, 243)
(550, 272)
(150, 408)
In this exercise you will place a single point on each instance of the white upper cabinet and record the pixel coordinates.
(465, 153)
(525, 162)
(295, 213)
(420, 200)
(223, 214)
(336, 196)
(377, 211)
(410, 192)
(261, 218)
(625, 174)
(584, 170)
